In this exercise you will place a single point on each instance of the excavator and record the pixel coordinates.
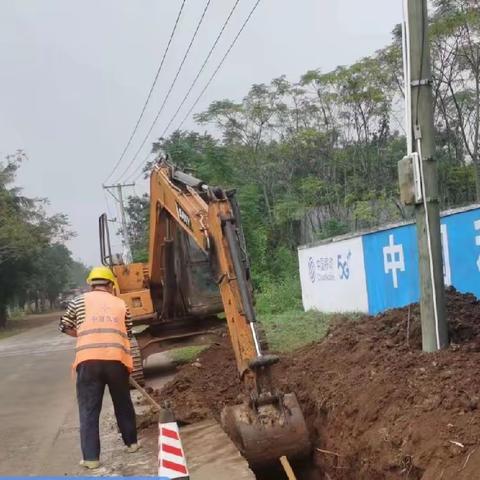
(197, 279)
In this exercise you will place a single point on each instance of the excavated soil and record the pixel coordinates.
(377, 407)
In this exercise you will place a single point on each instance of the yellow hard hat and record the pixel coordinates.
(101, 273)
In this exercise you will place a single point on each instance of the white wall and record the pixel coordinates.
(333, 277)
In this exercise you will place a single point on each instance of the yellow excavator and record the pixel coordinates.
(197, 269)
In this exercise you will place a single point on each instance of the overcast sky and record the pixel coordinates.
(74, 75)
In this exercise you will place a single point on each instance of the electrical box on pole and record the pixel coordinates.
(410, 179)
(418, 173)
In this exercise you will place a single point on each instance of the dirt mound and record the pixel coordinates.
(403, 325)
(377, 406)
(202, 388)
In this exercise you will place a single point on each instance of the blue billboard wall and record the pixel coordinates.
(391, 267)
(390, 261)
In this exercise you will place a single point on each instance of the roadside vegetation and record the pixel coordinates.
(185, 354)
(19, 321)
(281, 316)
(317, 157)
(35, 265)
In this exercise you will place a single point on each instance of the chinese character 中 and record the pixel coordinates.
(393, 259)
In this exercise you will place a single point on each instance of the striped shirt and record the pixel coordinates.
(75, 316)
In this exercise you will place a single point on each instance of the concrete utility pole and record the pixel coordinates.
(127, 254)
(427, 211)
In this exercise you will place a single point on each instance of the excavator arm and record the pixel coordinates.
(268, 424)
(179, 200)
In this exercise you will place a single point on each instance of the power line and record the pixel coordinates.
(108, 205)
(159, 69)
(222, 61)
(191, 86)
(201, 68)
(139, 168)
(169, 90)
(220, 64)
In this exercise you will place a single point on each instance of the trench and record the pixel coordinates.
(159, 370)
(305, 470)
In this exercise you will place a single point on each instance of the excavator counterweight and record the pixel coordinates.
(198, 267)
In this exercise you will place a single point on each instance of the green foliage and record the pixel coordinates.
(51, 272)
(77, 274)
(138, 211)
(457, 184)
(293, 328)
(34, 263)
(332, 228)
(279, 295)
(185, 354)
(199, 154)
(318, 158)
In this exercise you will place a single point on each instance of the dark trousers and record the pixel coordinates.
(92, 376)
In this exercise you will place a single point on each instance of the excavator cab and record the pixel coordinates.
(189, 278)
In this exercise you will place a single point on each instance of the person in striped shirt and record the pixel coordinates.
(74, 316)
(102, 326)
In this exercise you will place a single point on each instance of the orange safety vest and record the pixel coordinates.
(103, 334)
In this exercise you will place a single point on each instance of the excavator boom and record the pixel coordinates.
(268, 424)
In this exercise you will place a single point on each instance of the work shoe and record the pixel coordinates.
(90, 464)
(134, 447)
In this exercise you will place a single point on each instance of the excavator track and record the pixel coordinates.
(137, 372)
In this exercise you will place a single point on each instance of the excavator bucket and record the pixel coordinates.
(268, 432)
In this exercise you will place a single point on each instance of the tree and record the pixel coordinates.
(456, 42)
(77, 274)
(30, 243)
(50, 275)
(138, 211)
(318, 157)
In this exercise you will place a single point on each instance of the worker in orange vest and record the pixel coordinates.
(101, 323)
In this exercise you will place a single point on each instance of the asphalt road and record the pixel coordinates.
(39, 430)
(36, 397)
(38, 411)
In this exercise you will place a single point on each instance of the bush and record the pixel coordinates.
(281, 296)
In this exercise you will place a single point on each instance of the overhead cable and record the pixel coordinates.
(168, 92)
(159, 69)
(201, 68)
(219, 66)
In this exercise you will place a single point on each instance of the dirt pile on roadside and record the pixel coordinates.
(381, 407)
(202, 388)
(388, 409)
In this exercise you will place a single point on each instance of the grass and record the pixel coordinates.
(286, 325)
(19, 322)
(16, 314)
(14, 324)
(9, 330)
(293, 329)
(285, 332)
(279, 310)
(185, 354)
